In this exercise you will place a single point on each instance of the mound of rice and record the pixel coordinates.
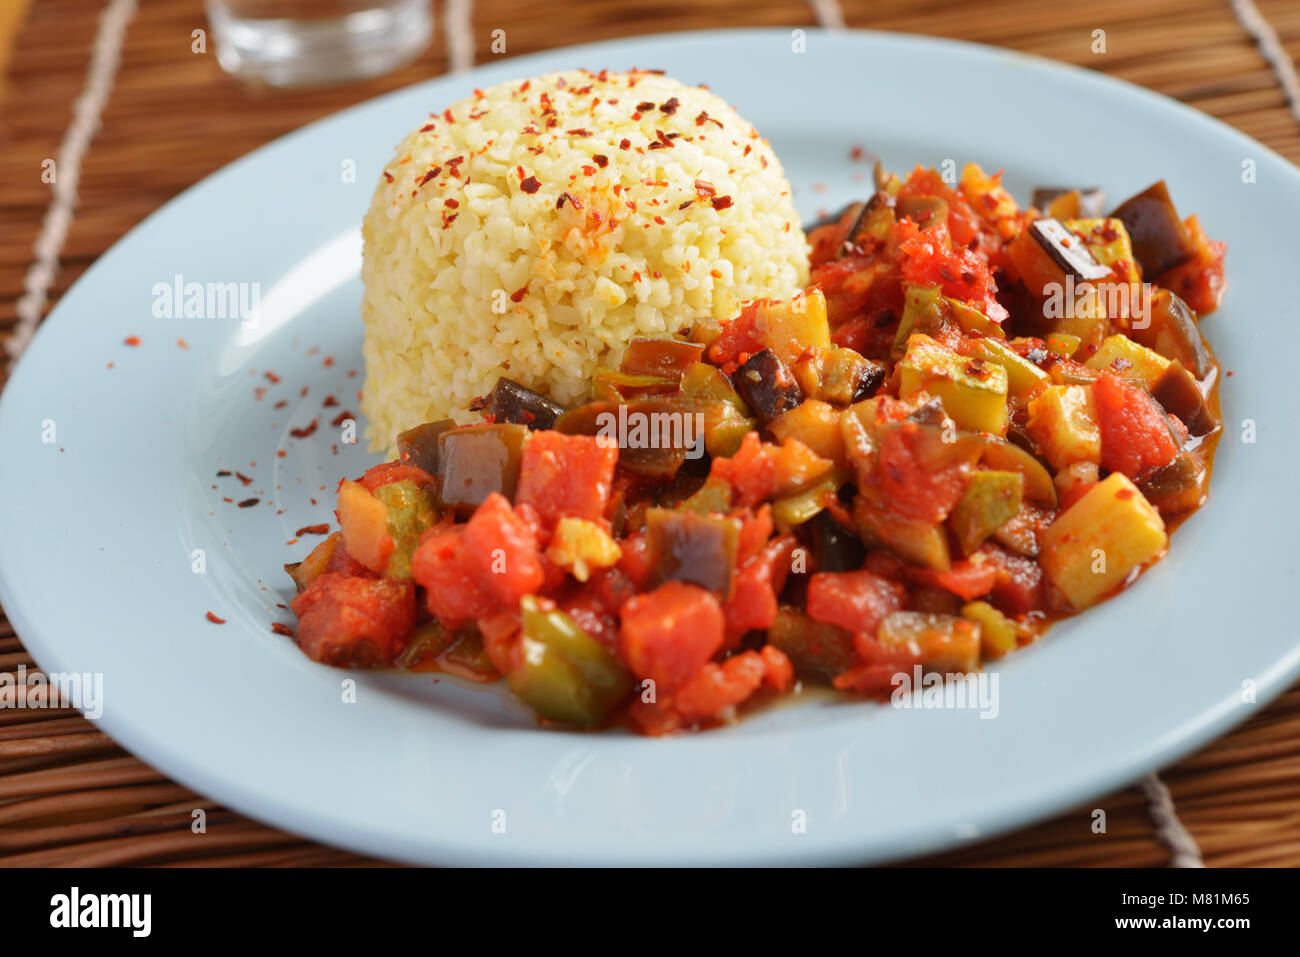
(534, 228)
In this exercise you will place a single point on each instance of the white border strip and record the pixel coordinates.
(1183, 849)
(1271, 49)
(87, 111)
(460, 35)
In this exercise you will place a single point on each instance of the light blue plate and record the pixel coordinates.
(98, 530)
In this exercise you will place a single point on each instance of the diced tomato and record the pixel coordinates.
(968, 578)
(754, 587)
(501, 635)
(501, 547)
(635, 561)
(653, 718)
(452, 588)
(669, 633)
(1199, 282)
(928, 259)
(740, 338)
(1019, 587)
(589, 613)
(1075, 492)
(755, 530)
(344, 564)
(913, 489)
(716, 687)
(1135, 434)
(394, 472)
(569, 475)
(856, 601)
(778, 669)
(871, 336)
(867, 679)
(355, 622)
(751, 472)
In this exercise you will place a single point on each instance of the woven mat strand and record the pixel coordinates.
(70, 796)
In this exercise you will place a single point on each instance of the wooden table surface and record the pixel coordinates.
(69, 795)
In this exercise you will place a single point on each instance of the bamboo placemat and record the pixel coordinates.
(69, 795)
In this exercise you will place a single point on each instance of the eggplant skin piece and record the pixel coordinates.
(1160, 240)
(510, 402)
(1066, 250)
(767, 386)
(1092, 199)
(832, 219)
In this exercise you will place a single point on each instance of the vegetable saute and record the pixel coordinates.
(975, 420)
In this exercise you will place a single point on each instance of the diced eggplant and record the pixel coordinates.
(667, 358)
(689, 547)
(1180, 396)
(813, 647)
(835, 548)
(1160, 240)
(923, 210)
(767, 386)
(1085, 203)
(510, 402)
(1171, 330)
(419, 446)
(1179, 486)
(1066, 250)
(477, 460)
(310, 568)
(848, 377)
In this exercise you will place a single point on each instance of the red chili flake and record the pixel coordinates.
(214, 619)
(856, 153)
(601, 160)
(110, 365)
(426, 127)
(1229, 372)
(1124, 493)
(280, 629)
(664, 141)
(182, 343)
(271, 377)
(703, 188)
(352, 373)
(312, 500)
(589, 171)
(748, 148)
(428, 176)
(518, 294)
(132, 340)
(302, 393)
(659, 220)
(304, 432)
(559, 202)
(327, 361)
(330, 402)
(1120, 364)
(341, 418)
(224, 499)
(224, 473)
(624, 144)
(388, 176)
(314, 350)
(243, 478)
(448, 219)
(249, 502)
(446, 115)
(578, 132)
(670, 107)
(721, 202)
(321, 529)
(279, 454)
(530, 185)
(451, 204)
(292, 541)
(259, 392)
(281, 404)
(644, 106)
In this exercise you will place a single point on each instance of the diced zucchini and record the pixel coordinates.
(1125, 358)
(1023, 377)
(1005, 456)
(1107, 240)
(1063, 344)
(974, 392)
(946, 643)
(792, 510)
(1063, 421)
(817, 425)
(991, 498)
(998, 633)
(791, 327)
(1095, 544)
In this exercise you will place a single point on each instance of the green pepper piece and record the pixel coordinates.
(564, 674)
(428, 642)
(998, 633)
(411, 510)
(477, 460)
(792, 510)
(688, 547)
(713, 496)
(991, 499)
